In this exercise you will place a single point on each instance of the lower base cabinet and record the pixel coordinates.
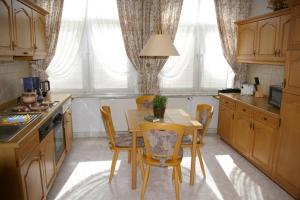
(32, 177)
(226, 120)
(242, 133)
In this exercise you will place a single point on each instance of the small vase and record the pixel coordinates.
(159, 112)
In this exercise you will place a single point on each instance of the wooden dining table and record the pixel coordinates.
(177, 116)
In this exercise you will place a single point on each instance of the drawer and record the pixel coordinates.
(27, 146)
(230, 103)
(244, 109)
(266, 119)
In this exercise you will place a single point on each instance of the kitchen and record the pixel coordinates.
(82, 108)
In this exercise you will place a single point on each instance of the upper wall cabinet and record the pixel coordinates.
(22, 33)
(294, 43)
(6, 28)
(264, 39)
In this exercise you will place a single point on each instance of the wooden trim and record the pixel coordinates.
(265, 16)
(34, 7)
(261, 62)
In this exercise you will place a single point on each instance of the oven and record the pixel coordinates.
(57, 124)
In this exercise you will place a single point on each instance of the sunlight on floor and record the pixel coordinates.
(241, 181)
(186, 164)
(85, 170)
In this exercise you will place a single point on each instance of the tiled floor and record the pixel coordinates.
(84, 175)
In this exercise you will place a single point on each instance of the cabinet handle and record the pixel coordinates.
(265, 119)
(25, 53)
(275, 52)
(253, 126)
(35, 47)
(244, 110)
(284, 83)
(226, 102)
(233, 116)
(254, 52)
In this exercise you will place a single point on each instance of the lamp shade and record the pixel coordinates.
(159, 45)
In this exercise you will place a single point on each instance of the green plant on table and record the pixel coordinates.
(159, 101)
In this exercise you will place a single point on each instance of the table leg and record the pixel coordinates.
(193, 162)
(133, 161)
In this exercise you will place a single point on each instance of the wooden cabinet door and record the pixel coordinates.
(6, 33)
(292, 73)
(39, 35)
(242, 133)
(32, 180)
(47, 149)
(225, 123)
(23, 29)
(287, 163)
(247, 41)
(294, 41)
(285, 26)
(264, 138)
(267, 39)
(68, 129)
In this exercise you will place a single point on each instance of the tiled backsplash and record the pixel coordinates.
(268, 75)
(10, 79)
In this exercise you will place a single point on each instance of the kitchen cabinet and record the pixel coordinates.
(292, 73)
(6, 37)
(242, 133)
(23, 32)
(48, 160)
(39, 35)
(68, 129)
(247, 41)
(294, 42)
(224, 127)
(287, 163)
(267, 38)
(264, 139)
(32, 178)
(264, 39)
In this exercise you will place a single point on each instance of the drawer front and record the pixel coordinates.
(28, 146)
(244, 109)
(230, 103)
(266, 119)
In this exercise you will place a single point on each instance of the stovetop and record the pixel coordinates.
(12, 124)
(31, 108)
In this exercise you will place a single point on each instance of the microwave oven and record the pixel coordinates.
(275, 95)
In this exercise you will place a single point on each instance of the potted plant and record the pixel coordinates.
(159, 106)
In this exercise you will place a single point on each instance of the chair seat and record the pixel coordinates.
(188, 139)
(125, 140)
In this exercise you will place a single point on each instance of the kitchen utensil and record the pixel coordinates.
(29, 97)
(259, 92)
(45, 87)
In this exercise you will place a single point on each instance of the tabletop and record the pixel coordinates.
(177, 116)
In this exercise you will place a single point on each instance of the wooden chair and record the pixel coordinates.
(204, 115)
(162, 149)
(118, 141)
(144, 102)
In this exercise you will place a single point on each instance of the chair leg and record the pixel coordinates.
(179, 173)
(176, 183)
(141, 164)
(146, 177)
(201, 161)
(129, 156)
(113, 164)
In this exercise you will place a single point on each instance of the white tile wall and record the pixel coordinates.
(268, 75)
(10, 79)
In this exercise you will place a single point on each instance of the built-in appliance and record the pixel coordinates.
(57, 122)
(275, 95)
(248, 89)
(45, 129)
(230, 90)
(12, 124)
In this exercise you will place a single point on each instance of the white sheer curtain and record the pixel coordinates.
(90, 55)
(201, 65)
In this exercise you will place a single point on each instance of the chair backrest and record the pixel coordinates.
(144, 102)
(108, 124)
(162, 141)
(204, 115)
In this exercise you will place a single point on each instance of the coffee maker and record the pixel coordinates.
(32, 84)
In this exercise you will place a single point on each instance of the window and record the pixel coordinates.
(90, 55)
(201, 65)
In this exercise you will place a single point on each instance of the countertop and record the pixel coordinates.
(33, 127)
(260, 104)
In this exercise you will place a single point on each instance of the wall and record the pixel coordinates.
(88, 123)
(10, 79)
(268, 74)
